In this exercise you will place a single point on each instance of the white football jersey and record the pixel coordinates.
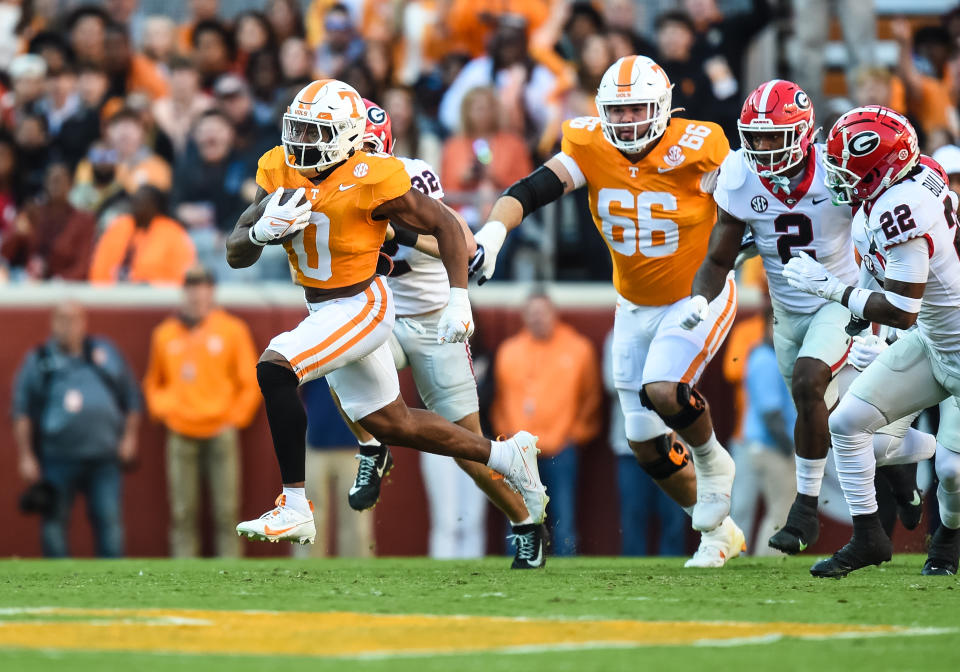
(419, 282)
(783, 224)
(919, 206)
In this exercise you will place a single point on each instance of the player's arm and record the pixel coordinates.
(725, 243)
(905, 278)
(428, 244)
(241, 252)
(558, 176)
(263, 222)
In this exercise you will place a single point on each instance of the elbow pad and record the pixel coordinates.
(540, 187)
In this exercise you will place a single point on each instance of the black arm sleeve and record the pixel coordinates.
(540, 187)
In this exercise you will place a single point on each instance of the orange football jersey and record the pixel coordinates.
(341, 244)
(653, 214)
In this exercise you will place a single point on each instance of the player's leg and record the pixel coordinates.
(333, 335)
(944, 552)
(899, 382)
(674, 363)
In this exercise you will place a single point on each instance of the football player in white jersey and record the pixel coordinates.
(773, 189)
(649, 176)
(906, 233)
(443, 372)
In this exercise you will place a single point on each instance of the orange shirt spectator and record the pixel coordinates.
(136, 164)
(547, 382)
(144, 247)
(469, 23)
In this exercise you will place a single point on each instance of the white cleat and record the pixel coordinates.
(719, 545)
(714, 484)
(524, 476)
(282, 522)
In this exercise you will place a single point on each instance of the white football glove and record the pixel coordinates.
(694, 311)
(490, 237)
(281, 220)
(865, 349)
(809, 275)
(456, 321)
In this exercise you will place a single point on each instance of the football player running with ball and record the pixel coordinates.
(905, 231)
(773, 189)
(332, 228)
(650, 179)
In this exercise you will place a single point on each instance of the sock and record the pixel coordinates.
(915, 446)
(297, 499)
(526, 521)
(287, 418)
(810, 475)
(856, 468)
(501, 455)
(371, 442)
(867, 524)
(808, 500)
(707, 450)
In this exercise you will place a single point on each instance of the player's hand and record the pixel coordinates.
(694, 311)
(456, 321)
(281, 220)
(748, 250)
(809, 275)
(489, 239)
(865, 349)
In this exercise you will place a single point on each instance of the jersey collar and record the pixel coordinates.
(791, 199)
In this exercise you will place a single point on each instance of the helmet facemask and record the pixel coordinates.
(658, 115)
(318, 144)
(770, 162)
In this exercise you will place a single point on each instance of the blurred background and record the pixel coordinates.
(129, 137)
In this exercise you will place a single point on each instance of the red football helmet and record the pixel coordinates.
(377, 135)
(869, 149)
(782, 109)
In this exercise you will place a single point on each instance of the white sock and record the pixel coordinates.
(852, 425)
(948, 492)
(501, 455)
(525, 521)
(297, 499)
(810, 475)
(915, 446)
(369, 443)
(707, 450)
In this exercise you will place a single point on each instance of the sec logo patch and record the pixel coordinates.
(759, 204)
(361, 169)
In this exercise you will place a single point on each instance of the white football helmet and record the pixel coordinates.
(323, 124)
(634, 80)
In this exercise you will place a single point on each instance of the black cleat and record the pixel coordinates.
(529, 544)
(801, 530)
(869, 546)
(942, 558)
(903, 484)
(911, 513)
(375, 463)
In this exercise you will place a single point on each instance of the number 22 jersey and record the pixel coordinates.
(654, 215)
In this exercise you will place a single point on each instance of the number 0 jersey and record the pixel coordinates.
(920, 206)
(341, 244)
(654, 214)
(785, 223)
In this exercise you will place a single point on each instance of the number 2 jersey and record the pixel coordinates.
(783, 224)
(341, 244)
(920, 206)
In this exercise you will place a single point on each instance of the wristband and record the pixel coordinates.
(857, 300)
(253, 238)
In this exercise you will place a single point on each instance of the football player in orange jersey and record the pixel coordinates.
(332, 228)
(650, 179)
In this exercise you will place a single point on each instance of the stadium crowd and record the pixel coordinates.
(129, 139)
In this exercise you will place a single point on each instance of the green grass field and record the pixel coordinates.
(749, 590)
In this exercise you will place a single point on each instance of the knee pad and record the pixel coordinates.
(948, 468)
(672, 456)
(690, 400)
(642, 426)
(272, 377)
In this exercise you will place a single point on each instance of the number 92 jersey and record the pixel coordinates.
(341, 244)
(654, 215)
(784, 223)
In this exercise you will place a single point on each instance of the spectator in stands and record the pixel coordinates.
(768, 432)
(286, 19)
(201, 383)
(62, 100)
(177, 113)
(642, 502)
(11, 192)
(948, 156)
(145, 246)
(595, 58)
(53, 48)
(330, 471)
(270, 98)
(548, 380)
(295, 63)
(76, 410)
(130, 72)
(33, 143)
(136, 165)
(410, 136)
(160, 42)
(214, 51)
(458, 510)
(922, 66)
(252, 32)
(86, 30)
(100, 193)
(468, 25)
(28, 74)
(51, 239)
(235, 100)
(199, 11)
(878, 86)
(482, 159)
(341, 45)
(811, 27)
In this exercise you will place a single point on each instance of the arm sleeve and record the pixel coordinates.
(572, 167)
(909, 261)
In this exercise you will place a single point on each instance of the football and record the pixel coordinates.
(284, 199)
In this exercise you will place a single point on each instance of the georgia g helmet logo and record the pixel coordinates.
(801, 100)
(863, 143)
(376, 115)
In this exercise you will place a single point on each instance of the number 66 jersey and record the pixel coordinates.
(786, 221)
(655, 215)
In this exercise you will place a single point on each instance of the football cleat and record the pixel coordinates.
(281, 522)
(869, 546)
(719, 545)
(524, 476)
(801, 530)
(375, 463)
(714, 484)
(911, 513)
(944, 553)
(529, 546)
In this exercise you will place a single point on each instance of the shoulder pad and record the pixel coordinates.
(272, 159)
(371, 168)
(733, 172)
(904, 211)
(415, 166)
(702, 144)
(582, 130)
